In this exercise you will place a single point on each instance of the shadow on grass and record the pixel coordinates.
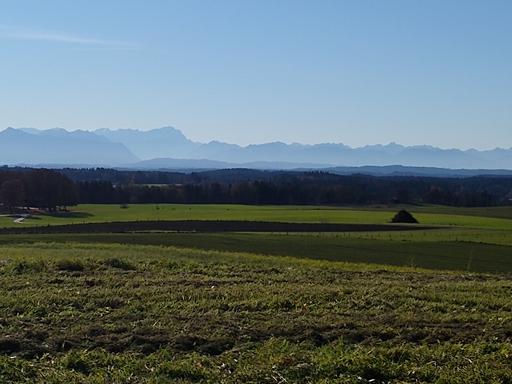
(70, 215)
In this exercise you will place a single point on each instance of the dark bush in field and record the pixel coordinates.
(404, 216)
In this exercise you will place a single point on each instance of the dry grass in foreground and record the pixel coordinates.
(142, 314)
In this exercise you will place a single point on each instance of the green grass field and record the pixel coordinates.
(492, 218)
(419, 251)
(164, 307)
(75, 313)
(463, 241)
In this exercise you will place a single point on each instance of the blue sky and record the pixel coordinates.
(358, 72)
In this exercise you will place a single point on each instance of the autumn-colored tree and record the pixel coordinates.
(12, 194)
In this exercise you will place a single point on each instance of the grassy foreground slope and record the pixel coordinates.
(137, 314)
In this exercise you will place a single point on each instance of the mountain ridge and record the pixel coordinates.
(127, 147)
(19, 146)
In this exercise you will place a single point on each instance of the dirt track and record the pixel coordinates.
(210, 226)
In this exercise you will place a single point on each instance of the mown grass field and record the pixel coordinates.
(491, 218)
(463, 241)
(423, 251)
(431, 305)
(76, 313)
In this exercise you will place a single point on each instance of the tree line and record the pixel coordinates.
(36, 188)
(53, 189)
(313, 188)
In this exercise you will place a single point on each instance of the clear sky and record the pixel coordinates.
(360, 72)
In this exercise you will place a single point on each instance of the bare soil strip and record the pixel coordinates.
(210, 226)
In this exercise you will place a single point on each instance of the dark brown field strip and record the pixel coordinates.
(209, 226)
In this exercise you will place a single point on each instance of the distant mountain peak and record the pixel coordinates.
(59, 146)
(153, 143)
(126, 145)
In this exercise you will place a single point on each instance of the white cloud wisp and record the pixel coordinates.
(21, 34)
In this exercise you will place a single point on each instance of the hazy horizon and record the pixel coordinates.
(213, 139)
(159, 148)
(357, 72)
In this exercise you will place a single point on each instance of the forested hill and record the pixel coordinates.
(304, 188)
(52, 188)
